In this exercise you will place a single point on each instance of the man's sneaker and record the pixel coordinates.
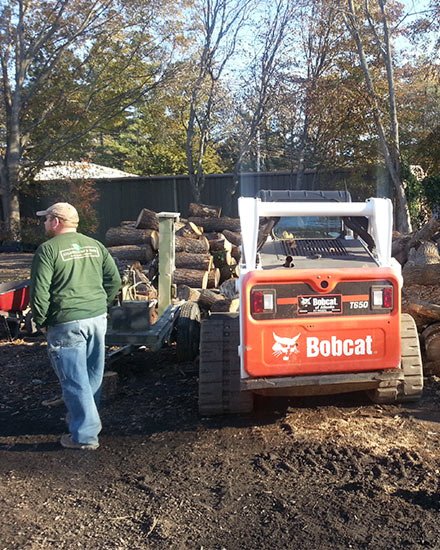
(68, 443)
(67, 419)
(53, 401)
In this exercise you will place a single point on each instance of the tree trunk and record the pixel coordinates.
(147, 219)
(219, 245)
(14, 216)
(390, 151)
(426, 233)
(232, 190)
(12, 173)
(193, 261)
(194, 186)
(143, 253)
(191, 277)
(421, 275)
(303, 148)
(423, 312)
(229, 289)
(217, 224)
(190, 231)
(193, 246)
(117, 236)
(426, 254)
(204, 210)
(233, 237)
(431, 339)
(185, 292)
(399, 249)
(402, 244)
(208, 298)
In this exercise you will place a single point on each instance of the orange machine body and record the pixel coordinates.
(319, 322)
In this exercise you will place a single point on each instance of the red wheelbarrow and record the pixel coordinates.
(14, 308)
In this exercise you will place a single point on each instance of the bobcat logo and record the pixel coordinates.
(285, 346)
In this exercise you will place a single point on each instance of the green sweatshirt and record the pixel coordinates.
(73, 277)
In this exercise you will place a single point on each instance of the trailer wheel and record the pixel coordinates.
(188, 332)
(408, 388)
(219, 373)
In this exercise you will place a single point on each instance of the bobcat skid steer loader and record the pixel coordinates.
(320, 307)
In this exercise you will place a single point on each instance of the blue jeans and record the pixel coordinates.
(77, 354)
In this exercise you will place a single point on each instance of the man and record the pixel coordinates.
(73, 279)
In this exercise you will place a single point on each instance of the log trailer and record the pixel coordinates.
(320, 307)
(133, 323)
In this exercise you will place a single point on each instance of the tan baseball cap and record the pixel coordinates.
(62, 210)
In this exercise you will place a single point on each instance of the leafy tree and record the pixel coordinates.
(217, 24)
(152, 137)
(418, 96)
(259, 85)
(373, 27)
(420, 93)
(68, 67)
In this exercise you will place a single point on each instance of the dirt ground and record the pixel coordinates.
(327, 473)
(14, 267)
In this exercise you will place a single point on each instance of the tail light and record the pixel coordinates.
(382, 297)
(263, 301)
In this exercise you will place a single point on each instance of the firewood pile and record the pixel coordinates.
(418, 253)
(207, 254)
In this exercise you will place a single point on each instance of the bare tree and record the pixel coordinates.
(260, 88)
(387, 126)
(318, 38)
(219, 24)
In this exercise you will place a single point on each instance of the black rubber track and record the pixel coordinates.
(400, 389)
(219, 374)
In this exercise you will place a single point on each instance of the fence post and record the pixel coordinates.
(167, 253)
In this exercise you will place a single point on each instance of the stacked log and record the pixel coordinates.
(203, 261)
(119, 236)
(204, 210)
(189, 230)
(187, 293)
(418, 253)
(206, 225)
(126, 243)
(217, 224)
(204, 256)
(132, 252)
(147, 219)
(221, 250)
(191, 277)
(223, 238)
(190, 245)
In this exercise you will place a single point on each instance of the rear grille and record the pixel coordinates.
(326, 248)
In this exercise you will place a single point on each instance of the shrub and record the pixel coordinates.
(431, 187)
(418, 205)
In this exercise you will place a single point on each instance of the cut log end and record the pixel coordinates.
(147, 219)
